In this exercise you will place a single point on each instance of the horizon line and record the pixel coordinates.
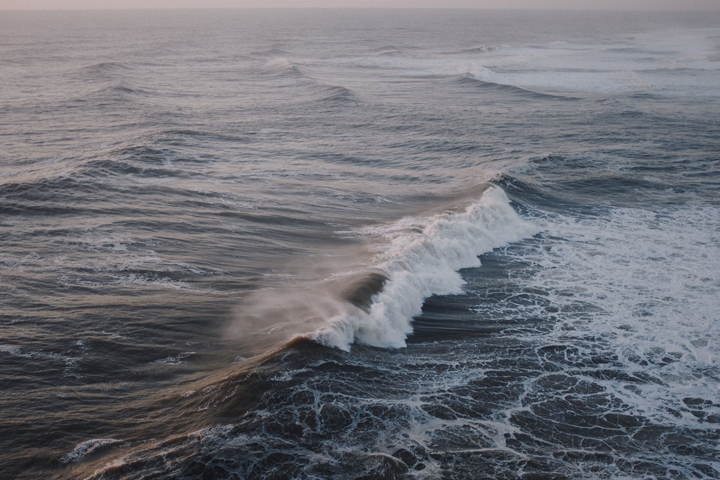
(571, 9)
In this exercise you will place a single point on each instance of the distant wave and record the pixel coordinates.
(422, 258)
(108, 66)
(478, 49)
(105, 70)
(111, 94)
(279, 65)
(338, 93)
(387, 51)
(125, 90)
(472, 80)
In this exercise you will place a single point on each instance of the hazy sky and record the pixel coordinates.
(578, 4)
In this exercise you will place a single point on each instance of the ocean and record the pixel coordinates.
(359, 244)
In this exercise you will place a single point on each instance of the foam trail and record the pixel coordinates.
(422, 258)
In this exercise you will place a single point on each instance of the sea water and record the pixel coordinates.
(377, 244)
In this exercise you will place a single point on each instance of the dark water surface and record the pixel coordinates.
(359, 244)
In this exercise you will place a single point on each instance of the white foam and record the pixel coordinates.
(676, 61)
(277, 65)
(86, 448)
(422, 256)
(174, 360)
(648, 288)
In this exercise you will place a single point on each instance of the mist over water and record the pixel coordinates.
(359, 244)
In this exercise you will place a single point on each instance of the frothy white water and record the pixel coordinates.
(87, 448)
(643, 289)
(277, 65)
(422, 256)
(678, 62)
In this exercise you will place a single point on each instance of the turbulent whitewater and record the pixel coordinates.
(326, 244)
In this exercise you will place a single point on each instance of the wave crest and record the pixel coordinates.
(88, 448)
(422, 258)
(278, 65)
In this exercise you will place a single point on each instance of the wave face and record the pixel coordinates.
(422, 258)
(326, 244)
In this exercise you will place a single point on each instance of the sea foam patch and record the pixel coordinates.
(637, 291)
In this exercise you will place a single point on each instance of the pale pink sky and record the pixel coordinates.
(575, 4)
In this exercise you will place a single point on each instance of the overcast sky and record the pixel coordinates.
(575, 4)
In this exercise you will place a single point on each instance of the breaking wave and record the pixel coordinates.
(421, 257)
(279, 65)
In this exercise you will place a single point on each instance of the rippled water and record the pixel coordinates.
(359, 244)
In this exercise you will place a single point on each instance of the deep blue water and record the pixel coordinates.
(359, 244)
